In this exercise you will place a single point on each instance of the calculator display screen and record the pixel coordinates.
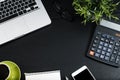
(110, 25)
(84, 75)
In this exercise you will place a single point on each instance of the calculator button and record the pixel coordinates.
(93, 49)
(102, 39)
(106, 44)
(118, 53)
(109, 50)
(108, 54)
(112, 38)
(113, 57)
(99, 51)
(116, 48)
(97, 37)
(117, 44)
(97, 54)
(103, 52)
(100, 47)
(104, 48)
(107, 58)
(108, 36)
(115, 52)
(99, 33)
(102, 56)
(104, 35)
(107, 40)
(94, 45)
(110, 46)
(95, 41)
(117, 59)
(111, 42)
(101, 43)
(92, 53)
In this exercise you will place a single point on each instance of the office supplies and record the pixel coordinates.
(48, 75)
(105, 45)
(19, 17)
(83, 74)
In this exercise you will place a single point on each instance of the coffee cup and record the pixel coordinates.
(9, 71)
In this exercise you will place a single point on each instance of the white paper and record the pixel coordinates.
(49, 75)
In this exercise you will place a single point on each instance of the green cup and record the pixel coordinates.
(9, 71)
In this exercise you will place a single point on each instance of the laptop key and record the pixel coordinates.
(9, 17)
(12, 8)
(32, 4)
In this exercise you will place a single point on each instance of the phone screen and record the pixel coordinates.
(84, 75)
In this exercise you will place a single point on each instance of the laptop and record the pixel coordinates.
(20, 17)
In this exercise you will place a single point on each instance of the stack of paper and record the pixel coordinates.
(49, 75)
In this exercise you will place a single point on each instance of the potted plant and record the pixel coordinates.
(94, 10)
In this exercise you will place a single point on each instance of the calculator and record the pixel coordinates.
(105, 44)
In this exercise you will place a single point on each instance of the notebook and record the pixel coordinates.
(49, 75)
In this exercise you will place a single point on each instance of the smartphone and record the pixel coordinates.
(83, 74)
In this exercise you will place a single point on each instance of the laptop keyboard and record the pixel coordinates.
(12, 8)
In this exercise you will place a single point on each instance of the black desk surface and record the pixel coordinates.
(60, 46)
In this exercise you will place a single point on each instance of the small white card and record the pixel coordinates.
(49, 75)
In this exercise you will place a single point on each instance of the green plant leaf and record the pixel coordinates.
(93, 10)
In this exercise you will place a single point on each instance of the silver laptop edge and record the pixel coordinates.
(24, 24)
